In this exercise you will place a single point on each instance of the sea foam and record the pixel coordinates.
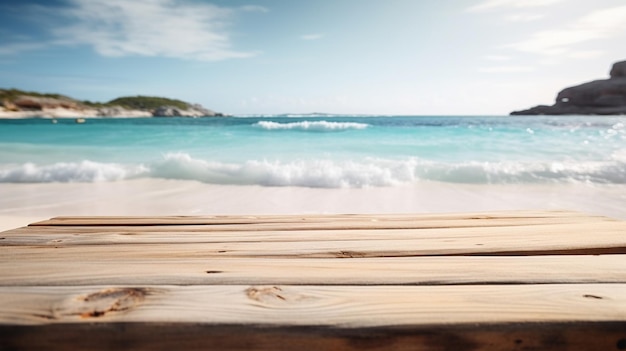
(64, 172)
(320, 173)
(326, 173)
(318, 126)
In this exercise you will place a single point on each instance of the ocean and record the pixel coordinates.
(318, 151)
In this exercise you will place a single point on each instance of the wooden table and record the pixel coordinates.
(485, 281)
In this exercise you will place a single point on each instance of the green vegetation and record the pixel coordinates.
(147, 102)
(12, 94)
(94, 104)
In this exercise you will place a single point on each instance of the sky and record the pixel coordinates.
(392, 57)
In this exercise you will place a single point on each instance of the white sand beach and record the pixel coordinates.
(21, 204)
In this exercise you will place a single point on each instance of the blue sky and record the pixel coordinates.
(462, 57)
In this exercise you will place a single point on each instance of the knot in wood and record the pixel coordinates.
(103, 302)
(349, 254)
(276, 296)
(265, 294)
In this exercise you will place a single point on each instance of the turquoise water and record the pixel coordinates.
(328, 151)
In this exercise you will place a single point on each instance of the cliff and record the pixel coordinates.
(599, 97)
(23, 104)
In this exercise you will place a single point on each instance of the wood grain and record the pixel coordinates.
(607, 231)
(343, 222)
(528, 280)
(334, 218)
(55, 271)
(328, 306)
(611, 240)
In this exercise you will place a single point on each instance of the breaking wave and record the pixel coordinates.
(317, 126)
(65, 172)
(324, 173)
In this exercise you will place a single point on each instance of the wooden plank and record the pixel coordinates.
(222, 233)
(49, 270)
(67, 220)
(278, 283)
(67, 236)
(342, 225)
(192, 336)
(329, 306)
(565, 240)
(330, 225)
(342, 221)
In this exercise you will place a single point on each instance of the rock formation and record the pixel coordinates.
(118, 111)
(173, 111)
(599, 97)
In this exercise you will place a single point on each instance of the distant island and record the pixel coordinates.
(24, 104)
(599, 97)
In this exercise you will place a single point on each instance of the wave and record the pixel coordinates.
(318, 126)
(325, 173)
(304, 173)
(85, 171)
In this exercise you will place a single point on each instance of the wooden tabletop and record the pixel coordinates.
(482, 281)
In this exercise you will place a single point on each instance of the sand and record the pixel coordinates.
(26, 203)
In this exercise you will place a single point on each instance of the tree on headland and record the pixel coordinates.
(147, 102)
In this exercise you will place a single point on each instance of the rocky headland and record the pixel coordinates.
(22, 104)
(598, 97)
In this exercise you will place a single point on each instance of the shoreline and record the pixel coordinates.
(69, 113)
(22, 204)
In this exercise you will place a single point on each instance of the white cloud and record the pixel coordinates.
(585, 54)
(311, 36)
(554, 42)
(511, 4)
(519, 6)
(599, 24)
(167, 28)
